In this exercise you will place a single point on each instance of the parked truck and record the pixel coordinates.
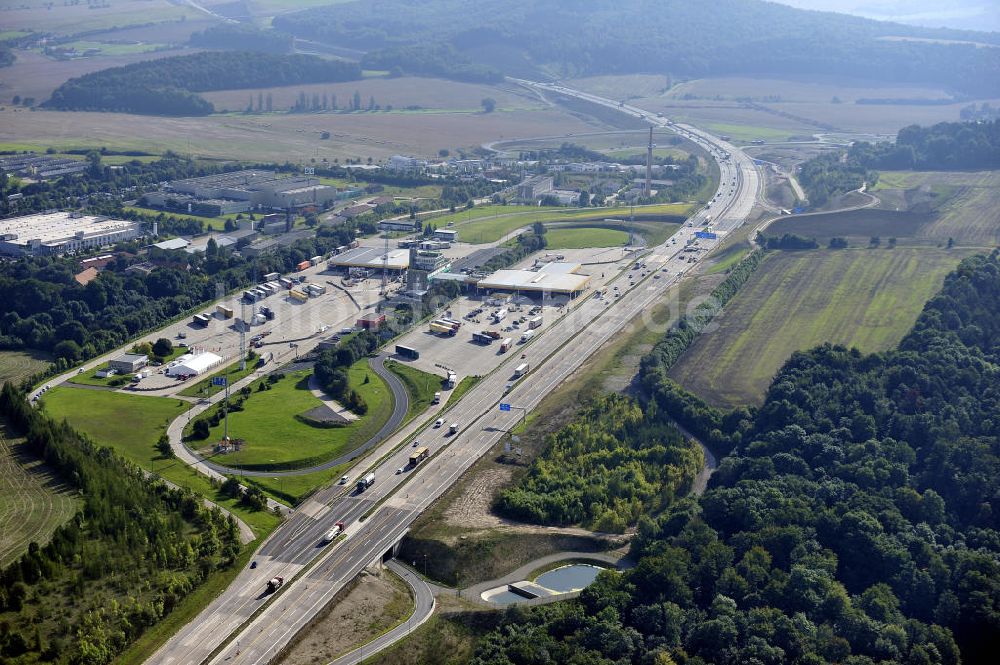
(482, 338)
(298, 295)
(201, 319)
(316, 260)
(366, 481)
(499, 315)
(275, 583)
(271, 276)
(506, 344)
(535, 322)
(527, 336)
(407, 352)
(442, 328)
(224, 312)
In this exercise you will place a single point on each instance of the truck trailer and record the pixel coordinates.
(442, 329)
(274, 584)
(201, 319)
(419, 455)
(535, 322)
(366, 481)
(407, 352)
(506, 344)
(482, 338)
(298, 295)
(224, 312)
(521, 370)
(332, 534)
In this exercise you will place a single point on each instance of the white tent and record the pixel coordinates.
(194, 364)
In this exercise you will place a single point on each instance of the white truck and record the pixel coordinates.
(332, 534)
(521, 370)
(366, 481)
(499, 315)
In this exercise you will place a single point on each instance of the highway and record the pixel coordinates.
(377, 518)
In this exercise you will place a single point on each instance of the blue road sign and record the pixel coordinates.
(219, 381)
(707, 235)
(505, 407)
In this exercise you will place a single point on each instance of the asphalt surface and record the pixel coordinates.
(260, 625)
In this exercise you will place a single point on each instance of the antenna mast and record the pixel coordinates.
(649, 165)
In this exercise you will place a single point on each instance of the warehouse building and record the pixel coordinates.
(129, 363)
(61, 232)
(260, 188)
(561, 278)
(194, 364)
(372, 258)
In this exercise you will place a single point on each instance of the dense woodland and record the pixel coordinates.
(605, 470)
(242, 37)
(684, 39)
(433, 59)
(855, 521)
(6, 57)
(332, 365)
(135, 549)
(167, 86)
(829, 175)
(945, 146)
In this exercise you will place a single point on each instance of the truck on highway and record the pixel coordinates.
(332, 534)
(521, 370)
(419, 455)
(453, 429)
(274, 584)
(366, 481)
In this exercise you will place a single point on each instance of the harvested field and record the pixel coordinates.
(797, 300)
(378, 602)
(279, 137)
(428, 95)
(18, 365)
(66, 19)
(34, 75)
(857, 226)
(33, 501)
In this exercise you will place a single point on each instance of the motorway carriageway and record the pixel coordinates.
(553, 357)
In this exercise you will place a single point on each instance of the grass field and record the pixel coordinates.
(72, 19)
(421, 386)
(18, 365)
(33, 501)
(491, 223)
(585, 236)
(131, 425)
(275, 439)
(211, 223)
(796, 300)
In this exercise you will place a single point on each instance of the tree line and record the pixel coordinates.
(332, 365)
(521, 37)
(945, 146)
(243, 37)
(855, 520)
(430, 59)
(168, 86)
(134, 550)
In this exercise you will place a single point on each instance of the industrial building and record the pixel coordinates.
(371, 321)
(194, 364)
(42, 167)
(533, 189)
(445, 235)
(372, 258)
(404, 225)
(170, 200)
(561, 278)
(265, 189)
(61, 232)
(129, 363)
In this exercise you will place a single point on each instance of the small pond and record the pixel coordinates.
(569, 578)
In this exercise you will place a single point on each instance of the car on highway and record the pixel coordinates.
(343, 480)
(438, 422)
(399, 471)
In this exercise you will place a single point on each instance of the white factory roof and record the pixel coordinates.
(58, 227)
(194, 363)
(173, 243)
(555, 277)
(371, 257)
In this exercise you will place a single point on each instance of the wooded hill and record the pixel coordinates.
(856, 519)
(167, 86)
(674, 37)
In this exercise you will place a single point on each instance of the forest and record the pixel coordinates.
(430, 60)
(855, 519)
(827, 176)
(6, 57)
(605, 470)
(565, 38)
(332, 364)
(135, 549)
(242, 37)
(168, 86)
(945, 146)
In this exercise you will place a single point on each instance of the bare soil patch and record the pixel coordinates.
(377, 602)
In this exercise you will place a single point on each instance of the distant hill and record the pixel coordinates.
(679, 37)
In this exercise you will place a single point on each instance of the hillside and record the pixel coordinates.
(676, 37)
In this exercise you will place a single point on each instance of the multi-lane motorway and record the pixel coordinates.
(246, 626)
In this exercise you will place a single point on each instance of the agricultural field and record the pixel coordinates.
(278, 137)
(585, 236)
(866, 298)
(18, 365)
(280, 433)
(66, 19)
(918, 208)
(33, 501)
(407, 95)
